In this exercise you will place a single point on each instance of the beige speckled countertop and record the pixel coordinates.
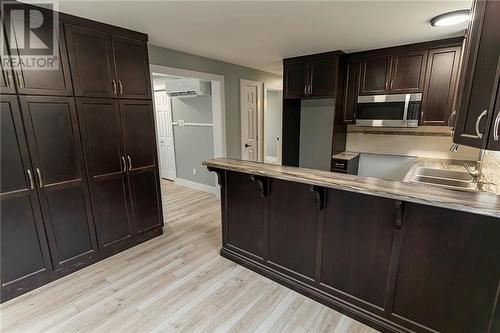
(347, 155)
(473, 202)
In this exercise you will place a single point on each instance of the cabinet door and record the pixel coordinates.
(293, 219)
(295, 80)
(106, 165)
(494, 138)
(440, 84)
(322, 78)
(356, 247)
(246, 211)
(140, 145)
(480, 74)
(132, 68)
(91, 62)
(408, 72)
(442, 251)
(56, 151)
(24, 250)
(7, 79)
(52, 79)
(351, 91)
(375, 75)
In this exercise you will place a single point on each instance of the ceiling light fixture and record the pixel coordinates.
(451, 18)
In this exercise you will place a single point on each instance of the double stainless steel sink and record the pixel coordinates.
(458, 180)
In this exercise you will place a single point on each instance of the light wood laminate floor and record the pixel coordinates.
(175, 282)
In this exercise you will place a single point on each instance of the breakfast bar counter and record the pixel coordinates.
(400, 257)
(468, 201)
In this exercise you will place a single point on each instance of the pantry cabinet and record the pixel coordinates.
(79, 176)
(117, 67)
(24, 247)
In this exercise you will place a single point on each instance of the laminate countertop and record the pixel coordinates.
(472, 202)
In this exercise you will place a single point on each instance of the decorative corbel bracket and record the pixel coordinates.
(220, 175)
(263, 183)
(320, 194)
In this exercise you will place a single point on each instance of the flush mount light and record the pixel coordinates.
(451, 18)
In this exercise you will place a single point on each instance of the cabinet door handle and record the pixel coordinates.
(392, 83)
(40, 182)
(113, 84)
(19, 82)
(129, 163)
(124, 165)
(495, 127)
(310, 89)
(121, 86)
(30, 177)
(305, 90)
(478, 121)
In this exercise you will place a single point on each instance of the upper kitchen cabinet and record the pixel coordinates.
(313, 76)
(295, 79)
(91, 59)
(48, 77)
(132, 68)
(351, 90)
(107, 65)
(408, 71)
(479, 79)
(376, 73)
(440, 85)
(494, 138)
(393, 73)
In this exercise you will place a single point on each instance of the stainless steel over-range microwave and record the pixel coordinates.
(398, 110)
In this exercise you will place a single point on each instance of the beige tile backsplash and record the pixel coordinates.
(491, 170)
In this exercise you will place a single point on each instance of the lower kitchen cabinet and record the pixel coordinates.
(24, 247)
(356, 247)
(246, 209)
(448, 270)
(56, 152)
(293, 219)
(394, 265)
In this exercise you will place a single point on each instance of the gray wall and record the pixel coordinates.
(316, 128)
(232, 74)
(272, 122)
(193, 144)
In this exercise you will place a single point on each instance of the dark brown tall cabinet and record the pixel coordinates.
(478, 114)
(79, 176)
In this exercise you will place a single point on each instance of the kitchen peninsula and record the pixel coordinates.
(399, 257)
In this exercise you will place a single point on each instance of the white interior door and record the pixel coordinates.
(165, 135)
(249, 122)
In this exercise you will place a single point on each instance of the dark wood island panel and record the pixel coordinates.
(396, 265)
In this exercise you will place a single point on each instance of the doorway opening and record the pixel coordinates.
(189, 113)
(261, 121)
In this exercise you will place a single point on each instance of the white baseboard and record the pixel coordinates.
(198, 186)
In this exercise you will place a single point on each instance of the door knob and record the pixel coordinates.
(247, 145)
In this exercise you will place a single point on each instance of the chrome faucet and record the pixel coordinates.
(475, 173)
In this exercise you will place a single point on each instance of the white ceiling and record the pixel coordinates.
(260, 34)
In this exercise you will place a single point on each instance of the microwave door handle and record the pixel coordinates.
(405, 111)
